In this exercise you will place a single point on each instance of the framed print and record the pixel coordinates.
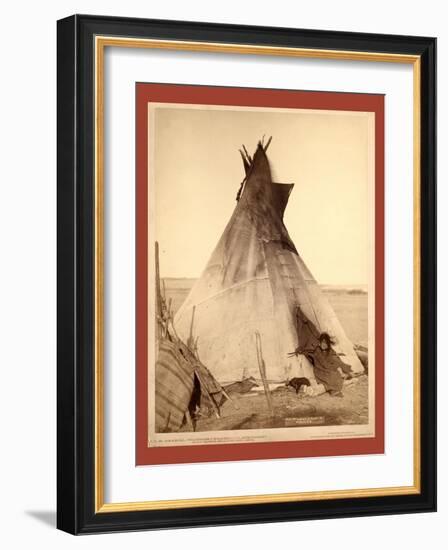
(246, 274)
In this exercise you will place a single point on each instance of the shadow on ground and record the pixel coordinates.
(47, 517)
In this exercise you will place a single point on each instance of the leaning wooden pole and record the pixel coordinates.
(190, 341)
(262, 367)
(265, 147)
(207, 393)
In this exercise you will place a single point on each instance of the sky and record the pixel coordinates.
(195, 171)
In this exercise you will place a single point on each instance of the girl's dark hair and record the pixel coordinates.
(328, 339)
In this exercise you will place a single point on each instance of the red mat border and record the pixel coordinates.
(251, 97)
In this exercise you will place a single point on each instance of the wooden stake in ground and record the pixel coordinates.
(262, 367)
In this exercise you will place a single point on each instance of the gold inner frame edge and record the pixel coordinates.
(100, 43)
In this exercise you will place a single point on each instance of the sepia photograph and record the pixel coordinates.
(261, 274)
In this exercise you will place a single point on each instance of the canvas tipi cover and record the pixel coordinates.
(254, 282)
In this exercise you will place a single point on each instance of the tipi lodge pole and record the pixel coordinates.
(262, 367)
(207, 393)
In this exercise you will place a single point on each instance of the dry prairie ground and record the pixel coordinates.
(290, 410)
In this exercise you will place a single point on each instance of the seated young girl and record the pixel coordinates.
(329, 369)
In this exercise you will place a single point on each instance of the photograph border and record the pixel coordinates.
(82, 41)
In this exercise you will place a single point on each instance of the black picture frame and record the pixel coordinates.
(76, 272)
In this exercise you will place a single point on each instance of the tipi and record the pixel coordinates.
(256, 282)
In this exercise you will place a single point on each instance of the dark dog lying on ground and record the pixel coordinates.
(297, 383)
(242, 387)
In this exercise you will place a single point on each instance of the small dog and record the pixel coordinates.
(297, 383)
